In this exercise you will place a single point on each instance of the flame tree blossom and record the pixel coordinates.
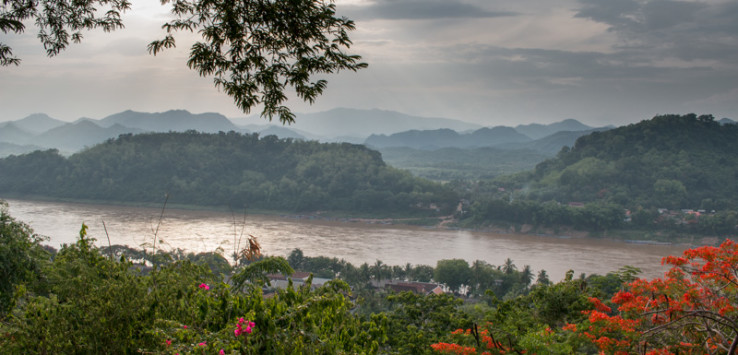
(691, 310)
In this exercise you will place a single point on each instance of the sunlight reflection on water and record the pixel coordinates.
(357, 243)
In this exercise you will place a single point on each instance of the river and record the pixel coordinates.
(356, 242)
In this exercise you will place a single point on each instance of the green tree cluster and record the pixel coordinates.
(669, 162)
(594, 216)
(87, 302)
(22, 258)
(90, 300)
(227, 170)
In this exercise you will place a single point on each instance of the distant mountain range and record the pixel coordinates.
(549, 138)
(443, 138)
(355, 123)
(173, 120)
(538, 131)
(435, 148)
(39, 131)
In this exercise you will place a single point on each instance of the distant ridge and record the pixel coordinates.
(7, 149)
(446, 138)
(552, 144)
(11, 133)
(363, 123)
(538, 131)
(75, 136)
(38, 123)
(337, 125)
(172, 120)
(280, 132)
(500, 137)
(429, 139)
(44, 131)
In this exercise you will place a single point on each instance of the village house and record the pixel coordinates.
(421, 288)
(299, 278)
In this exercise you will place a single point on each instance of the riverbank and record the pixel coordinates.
(436, 223)
(357, 242)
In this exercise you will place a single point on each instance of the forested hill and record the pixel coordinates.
(229, 170)
(670, 161)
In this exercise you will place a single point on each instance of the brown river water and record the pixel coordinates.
(356, 242)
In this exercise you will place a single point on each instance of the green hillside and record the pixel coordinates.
(669, 161)
(226, 170)
(456, 163)
(672, 173)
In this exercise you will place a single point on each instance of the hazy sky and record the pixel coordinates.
(485, 61)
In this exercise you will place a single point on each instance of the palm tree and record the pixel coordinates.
(526, 275)
(509, 267)
(543, 278)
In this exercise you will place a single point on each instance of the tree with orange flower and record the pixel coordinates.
(692, 310)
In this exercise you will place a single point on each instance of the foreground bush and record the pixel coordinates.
(86, 303)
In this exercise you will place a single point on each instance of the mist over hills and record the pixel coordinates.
(41, 131)
(446, 164)
(173, 120)
(538, 131)
(346, 122)
(76, 136)
(444, 138)
(337, 125)
(552, 144)
(446, 149)
(38, 123)
(11, 133)
(499, 137)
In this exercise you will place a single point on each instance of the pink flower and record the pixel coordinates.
(169, 342)
(240, 330)
(201, 344)
(221, 352)
(184, 326)
(205, 286)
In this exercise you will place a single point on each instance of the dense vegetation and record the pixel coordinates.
(227, 169)
(669, 161)
(85, 300)
(467, 164)
(666, 177)
(625, 177)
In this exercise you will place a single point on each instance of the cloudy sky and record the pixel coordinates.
(490, 62)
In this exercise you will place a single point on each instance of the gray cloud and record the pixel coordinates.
(420, 10)
(686, 30)
(488, 61)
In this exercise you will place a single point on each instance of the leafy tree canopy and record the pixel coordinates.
(254, 49)
(228, 169)
(672, 161)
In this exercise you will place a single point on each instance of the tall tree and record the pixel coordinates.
(453, 272)
(693, 309)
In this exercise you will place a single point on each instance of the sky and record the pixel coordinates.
(489, 62)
